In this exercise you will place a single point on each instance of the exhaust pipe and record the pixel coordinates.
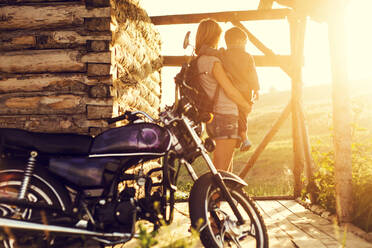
(24, 225)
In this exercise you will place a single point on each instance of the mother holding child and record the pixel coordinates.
(232, 73)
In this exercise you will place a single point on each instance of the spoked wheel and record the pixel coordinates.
(213, 217)
(40, 190)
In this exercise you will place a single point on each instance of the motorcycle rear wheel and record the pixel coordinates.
(41, 189)
(213, 217)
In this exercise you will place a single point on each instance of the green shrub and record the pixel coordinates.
(362, 181)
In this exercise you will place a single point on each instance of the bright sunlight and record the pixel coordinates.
(275, 35)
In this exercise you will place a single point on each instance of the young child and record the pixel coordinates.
(241, 68)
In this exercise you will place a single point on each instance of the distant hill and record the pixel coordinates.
(315, 94)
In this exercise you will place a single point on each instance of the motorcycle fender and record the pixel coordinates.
(229, 178)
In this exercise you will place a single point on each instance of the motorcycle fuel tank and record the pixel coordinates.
(137, 138)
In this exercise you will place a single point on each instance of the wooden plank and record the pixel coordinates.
(279, 197)
(334, 232)
(67, 82)
(15, 40)
(277, 238)
(31, 61)
(274, 60)
(97, 57)
(18, 2)
(309, 223)
(265, 141)
(249, 15)
(299, 237)
(8, 42)
(46, 16)
(50, 60)
(65, 37)
(13, 104)
(99, 69)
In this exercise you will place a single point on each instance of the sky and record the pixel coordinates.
(275, 35)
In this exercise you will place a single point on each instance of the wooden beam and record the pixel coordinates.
(249, 15)
(67, 82)
(266, 4)
(50, 60)
(308, 158)
(276, 60)
(45, 16)
(36, 61)
(284, 115)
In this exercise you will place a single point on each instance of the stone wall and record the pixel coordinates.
(63, 70)
(136, 60)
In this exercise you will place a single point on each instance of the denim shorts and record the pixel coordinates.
(223, 127)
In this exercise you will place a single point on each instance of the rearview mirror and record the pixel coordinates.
(186, 41)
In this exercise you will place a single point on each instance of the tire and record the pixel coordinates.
(213, 217)
(41, 189)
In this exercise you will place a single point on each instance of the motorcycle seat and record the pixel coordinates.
(47, 143)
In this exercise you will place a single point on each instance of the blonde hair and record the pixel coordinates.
(209, 32)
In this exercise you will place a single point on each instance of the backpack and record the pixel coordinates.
(195, 92)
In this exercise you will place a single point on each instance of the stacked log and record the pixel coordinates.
(136, 60)
(55, 63)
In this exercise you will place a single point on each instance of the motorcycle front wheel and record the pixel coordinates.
(42, 189)
(212, 216)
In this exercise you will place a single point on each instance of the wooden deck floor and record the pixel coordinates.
(289, 225)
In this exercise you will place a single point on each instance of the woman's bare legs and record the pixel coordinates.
(223, 154)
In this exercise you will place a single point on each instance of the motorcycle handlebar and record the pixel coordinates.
(130, 116)
(118, 118)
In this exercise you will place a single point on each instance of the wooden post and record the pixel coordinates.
(341, 118)
(265, 4)
(311, 187)
(297, 32)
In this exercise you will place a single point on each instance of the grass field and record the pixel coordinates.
(272, 173)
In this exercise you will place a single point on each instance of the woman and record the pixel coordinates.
(224, 127)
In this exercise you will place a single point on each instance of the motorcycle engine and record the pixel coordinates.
(117, 215)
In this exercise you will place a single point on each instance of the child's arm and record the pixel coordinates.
(253, 76)
(226, 84)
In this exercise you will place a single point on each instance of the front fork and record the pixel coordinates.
(216, 175)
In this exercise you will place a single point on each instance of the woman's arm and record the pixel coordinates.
(231, 92)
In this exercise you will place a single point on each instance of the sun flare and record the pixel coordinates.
(275, 35)
(358, 20)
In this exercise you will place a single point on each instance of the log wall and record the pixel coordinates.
(64, 68)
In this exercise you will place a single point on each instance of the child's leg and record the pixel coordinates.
(242, 125)
(242, 128)
(243, 135)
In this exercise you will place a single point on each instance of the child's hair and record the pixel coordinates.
(209, 32)
(235, 35)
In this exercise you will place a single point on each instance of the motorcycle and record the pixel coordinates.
(58, 189)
